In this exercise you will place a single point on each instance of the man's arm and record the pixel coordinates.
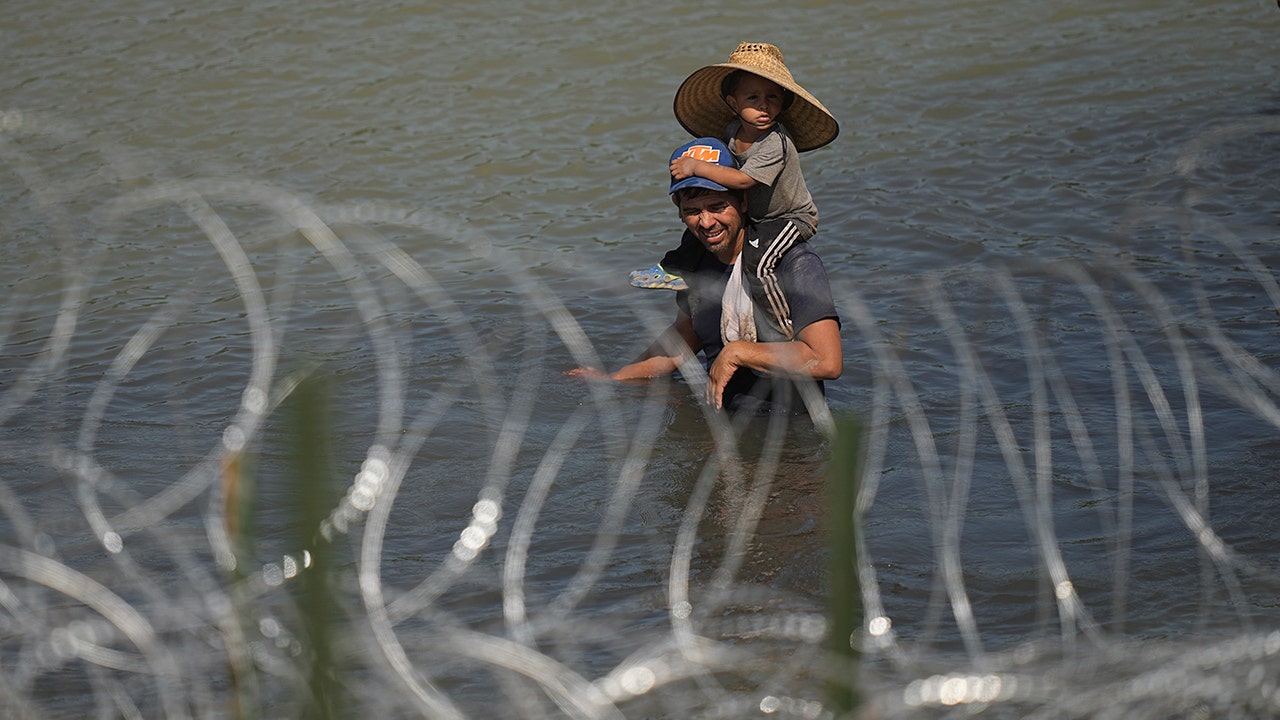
(815, 353)
(663, 357)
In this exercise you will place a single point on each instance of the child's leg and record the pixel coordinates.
(667, 275)
(685, 258)
(760, 255)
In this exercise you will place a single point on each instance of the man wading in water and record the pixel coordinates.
(752, 363)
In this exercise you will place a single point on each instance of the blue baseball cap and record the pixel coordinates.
(704, 148)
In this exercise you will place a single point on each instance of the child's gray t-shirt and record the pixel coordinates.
(780, 191)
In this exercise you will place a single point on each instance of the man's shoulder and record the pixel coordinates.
(807, 285)
(801, 269)
(804, 248)
(801, 251)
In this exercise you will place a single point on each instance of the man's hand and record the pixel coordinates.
(726, 364)
(815, 354)
(587, 372)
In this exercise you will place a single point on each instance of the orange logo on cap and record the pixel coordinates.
(703, 152)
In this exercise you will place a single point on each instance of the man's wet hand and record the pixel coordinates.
(721, 371)
(587, 372)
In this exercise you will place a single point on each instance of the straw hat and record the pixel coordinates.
(701, 109)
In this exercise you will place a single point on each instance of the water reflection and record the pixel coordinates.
(1049, 229)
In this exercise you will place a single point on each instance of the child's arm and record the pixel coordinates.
(732, 178)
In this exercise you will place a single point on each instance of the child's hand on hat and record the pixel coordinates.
(684, 167)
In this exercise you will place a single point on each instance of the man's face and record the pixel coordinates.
(715, 218)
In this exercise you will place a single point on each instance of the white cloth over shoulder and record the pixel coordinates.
(737, 315)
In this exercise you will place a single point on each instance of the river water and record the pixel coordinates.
(1050, 229)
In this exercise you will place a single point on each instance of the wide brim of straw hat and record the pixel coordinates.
(702, 111)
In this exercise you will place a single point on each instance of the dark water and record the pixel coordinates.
(1050, 229)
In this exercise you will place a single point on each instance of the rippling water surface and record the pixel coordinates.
(1050, 228)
